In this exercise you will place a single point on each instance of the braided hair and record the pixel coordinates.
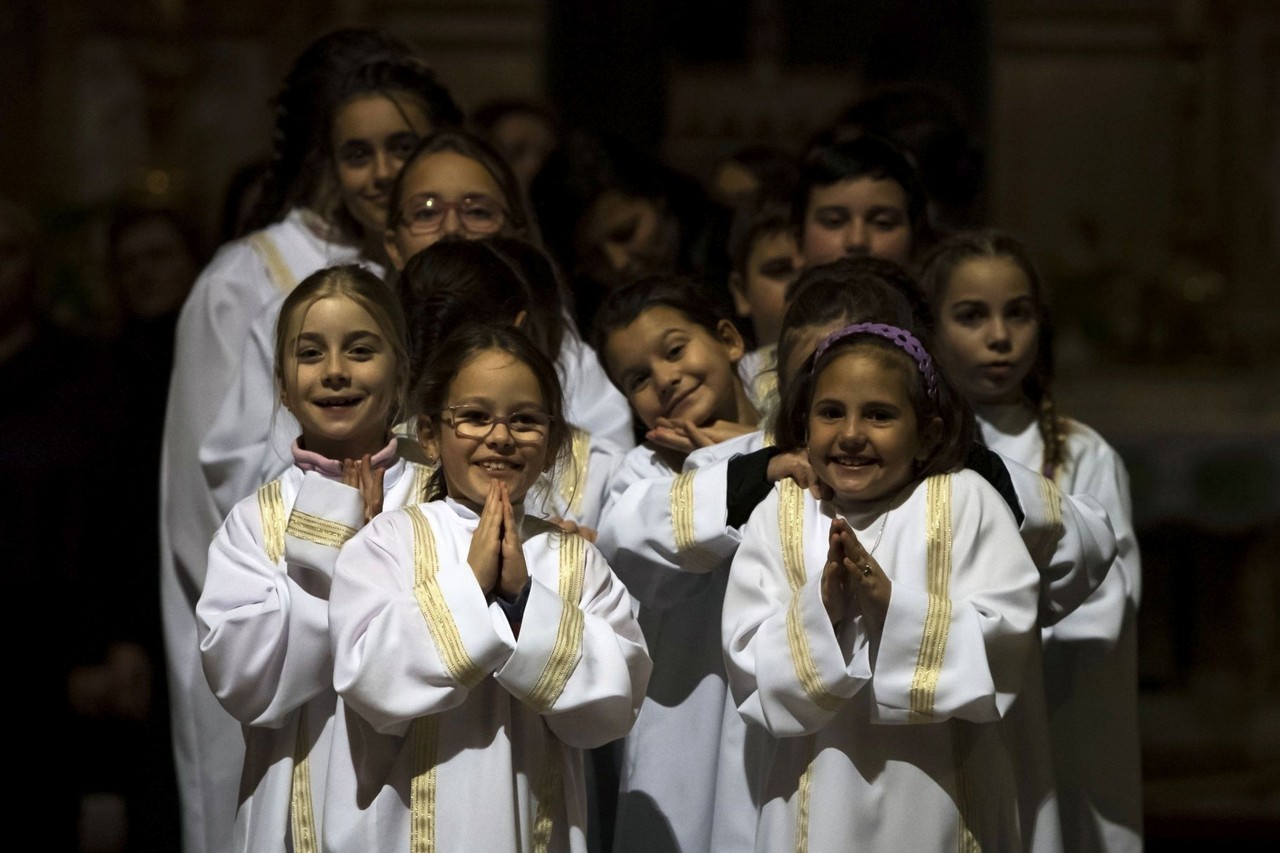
(937, 270)
(330, 72)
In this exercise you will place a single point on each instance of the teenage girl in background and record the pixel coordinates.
(994, 339)
(354, 101)
(264, 611)
(875, 630)
(481, 648)
(675, 358)
(510, 282)
(455, 184)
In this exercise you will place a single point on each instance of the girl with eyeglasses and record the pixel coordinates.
(455, 185)
(481, 649)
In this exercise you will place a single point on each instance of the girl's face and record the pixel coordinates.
(339, 378)
(670, 367)
(492, 387)
(863, 216)
(864, 438)
(444, 193)
(372, 136)
(988, 329)
(630, 233)
(772, 264)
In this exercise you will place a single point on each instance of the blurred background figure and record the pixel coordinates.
(524, 131)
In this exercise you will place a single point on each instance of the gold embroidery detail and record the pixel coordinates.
(962, 747)
(302, 816)
(572, 488)
(791, 528)
(424, 743)
(1052, 497)
(321, 531)
(682, 511)
(568, 644)
(426, 589)
(271, 511)
(279, 271)
(937, 621)
(550, 793)
(802, 798)
(421, 477)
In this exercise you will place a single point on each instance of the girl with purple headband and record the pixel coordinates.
(877, 629)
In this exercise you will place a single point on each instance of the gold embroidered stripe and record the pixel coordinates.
(301, 812)
(802, 799)
(550, 794)
(424, 741)
(280, 273)
(791, 528)
(568, 643)
(426, 589)
(421, 477)
(1052, 498)
(682, 511)
(962, 746)
(937, 621)
(573, 483)
(802, 660)
(271, 511)
(321, 531)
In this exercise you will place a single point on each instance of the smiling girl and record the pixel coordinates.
(343, 116)
(480, 648)
(263, 613)
(875, 632)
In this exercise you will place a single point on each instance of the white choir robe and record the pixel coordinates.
(1091, 654)
(464, 737)
(895, 744)
(591, 401)
(578, 489)
(210, 341)
(264, 640)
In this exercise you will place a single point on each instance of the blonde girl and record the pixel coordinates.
(341, 370)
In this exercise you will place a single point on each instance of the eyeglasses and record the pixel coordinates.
(476, 422)
(476, 214)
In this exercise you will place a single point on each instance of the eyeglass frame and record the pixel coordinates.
(505, 421)
(456, 206)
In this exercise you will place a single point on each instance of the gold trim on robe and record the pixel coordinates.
(271, 511)
(426, 589)
(573, 482)
(568, 642)
(302, 816)
(424, 737)
(318, 530)
(682, 512)
(550, 792)
(277, 269)
(937, 622)
(791, 528)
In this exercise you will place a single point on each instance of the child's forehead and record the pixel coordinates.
(495, 373)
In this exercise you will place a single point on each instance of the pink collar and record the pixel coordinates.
(309, 461)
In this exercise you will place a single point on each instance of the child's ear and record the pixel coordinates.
(429, 438)
(930, 438)
(393, 251)
(738, 288)
(728, 335)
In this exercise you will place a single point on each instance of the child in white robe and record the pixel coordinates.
(878, 631)
(994, 340)
(479, 649)
(263, 613)
(675, 358)
(304, 224)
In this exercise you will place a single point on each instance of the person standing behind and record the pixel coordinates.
(354, 103)
(994, 339)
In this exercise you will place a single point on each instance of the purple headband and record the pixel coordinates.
(900, 338)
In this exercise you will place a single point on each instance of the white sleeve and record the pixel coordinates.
(970, 646)
(1069, 538)
(665, 535)
(788, 669)
(393, 664)
(581, 663)
(248, 443)
(264, 628)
